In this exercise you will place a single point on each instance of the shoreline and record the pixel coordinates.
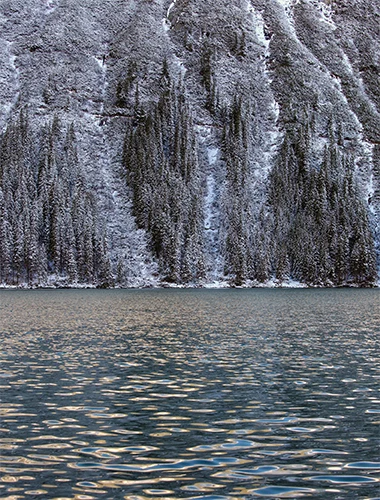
(222, 285)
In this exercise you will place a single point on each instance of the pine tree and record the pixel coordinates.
(161, 165)
(45, 208)
(5, 248)
(320, 222)
(239, 239)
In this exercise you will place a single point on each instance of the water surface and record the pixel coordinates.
(225, 394)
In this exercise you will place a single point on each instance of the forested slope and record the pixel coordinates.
(189, 142)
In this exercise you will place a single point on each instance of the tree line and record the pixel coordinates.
(321, 228)
(314, 226)
(48, 216)
(161, 168)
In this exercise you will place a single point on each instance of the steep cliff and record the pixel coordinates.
(189, 142)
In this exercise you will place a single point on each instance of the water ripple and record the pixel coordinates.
(345, 479)
(234, 394)
(364, 465)
(281, 491)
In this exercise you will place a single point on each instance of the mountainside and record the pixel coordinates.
(189, 142)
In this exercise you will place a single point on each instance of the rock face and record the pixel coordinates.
(218, 141)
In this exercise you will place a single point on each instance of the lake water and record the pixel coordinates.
(215, 394)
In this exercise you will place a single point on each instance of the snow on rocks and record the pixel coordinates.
(166, 23)
(127, 244)
(209, 201)
(171, 6)
(260, 29)
(212, 154)
(9, 81)
(50, 6)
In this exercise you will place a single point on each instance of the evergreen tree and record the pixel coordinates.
(321, 228)
(48, 220)
(161, 165)
(244, 253)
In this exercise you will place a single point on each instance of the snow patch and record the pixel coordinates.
(364, 168)
(12, 79)
(275, 107)
(289, 283)
(217, 284)
(326, 15)
(259, 29)
(212, 154)
(101, 60)
(325, 12)
(12, 61)
(371, 192)
(287, 3)
(211, 205)
(166, 23)
(128, 246)
(347, 62)
(171, 6)
(272, 283)
(288, 19)
(50, 6)
(180, 65)
(359, 80)
(274, 137)
(204, 132)
(209, 201)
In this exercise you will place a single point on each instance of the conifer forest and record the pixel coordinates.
(189, 143)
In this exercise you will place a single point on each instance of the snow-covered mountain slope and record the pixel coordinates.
(244, 77)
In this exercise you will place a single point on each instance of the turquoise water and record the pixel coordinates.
(217, 394)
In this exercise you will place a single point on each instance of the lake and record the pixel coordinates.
(214, 394)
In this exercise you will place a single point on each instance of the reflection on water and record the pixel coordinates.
(229, 394)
